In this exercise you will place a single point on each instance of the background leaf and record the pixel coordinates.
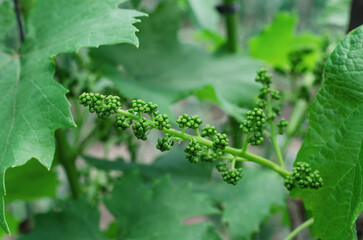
(248, 203)
(163, 70)
(33, 105)
(333, 144)
(275, 42)
(30, 181)
(157, 211)
(205, 14)
(173, 163)
(77, 221)
(245, 206)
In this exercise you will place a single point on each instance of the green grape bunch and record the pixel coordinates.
(206, 143)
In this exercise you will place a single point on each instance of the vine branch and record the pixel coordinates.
(297, 230)
(18, 20)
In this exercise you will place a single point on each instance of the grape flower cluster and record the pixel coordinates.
(208, 145)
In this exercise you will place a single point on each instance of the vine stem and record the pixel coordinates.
(242, 156)
(297, 230)
(67, 158)
(273, 134)
(232, 28)
(19, 22)
(295, 121)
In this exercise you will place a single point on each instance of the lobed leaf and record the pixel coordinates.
(77, 221)
(33, 106)
(275, 42)
(173, 163)
(333, 144)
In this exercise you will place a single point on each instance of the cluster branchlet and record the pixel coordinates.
(266, 110)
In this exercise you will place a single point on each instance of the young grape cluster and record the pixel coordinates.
(232, 176)
(140, 107)
(141, 128)
(209, 131)
(193, 151)
(165, 143)
(104, 106)
(220, 141)
(282, 124)
(303, 176)
(162, 121)
(184, 121)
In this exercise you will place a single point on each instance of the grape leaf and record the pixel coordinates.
(163, 70)
(205, 14)
(7, 20)
(275, 42)
(333, 144)
(248, 203)
(172, 162)
(33, 106)
(27, 182)
(77, 221)
(158, 211)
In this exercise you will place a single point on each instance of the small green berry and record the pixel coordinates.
(263, 77)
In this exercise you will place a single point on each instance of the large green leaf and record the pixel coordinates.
(77, 221)
(163, 70)
(33, 106)
(275, 42)
(249, 203)
(158, 211)
(333, 144)
(173, 163)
